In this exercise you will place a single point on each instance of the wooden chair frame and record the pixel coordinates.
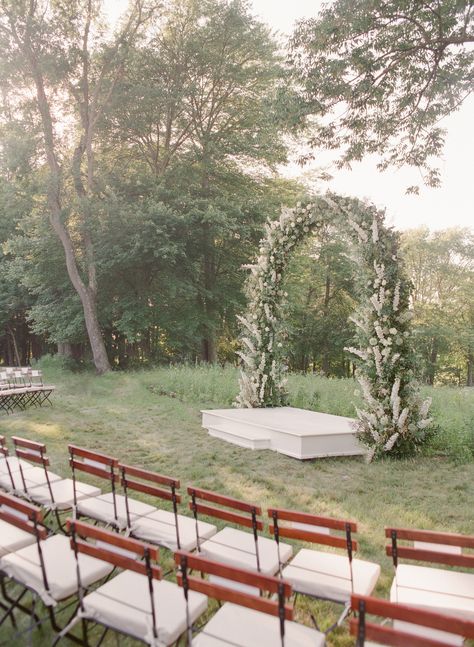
(364, 629)
(95, 464)
(148, 484)
(81, 532)
(248, 520)
(395, 551)
(188, 562)
(346, 542)
(27, 518)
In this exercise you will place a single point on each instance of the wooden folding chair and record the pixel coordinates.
(162, 527)
(447, 591)
(245, 620)
(8, 466)
(49, 490)
(322, 574)
(136, 602)
(111, 508)
(411, 627)
(29, 468)
(12, 537)
(46, 568)
(232, 545)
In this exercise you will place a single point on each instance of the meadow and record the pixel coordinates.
(151, 418)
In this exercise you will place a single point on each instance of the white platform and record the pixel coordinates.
(295, 432)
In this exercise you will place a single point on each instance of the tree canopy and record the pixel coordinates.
(380, 76)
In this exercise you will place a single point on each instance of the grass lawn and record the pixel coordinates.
(152, 419)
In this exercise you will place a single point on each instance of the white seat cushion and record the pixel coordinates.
(237, 547)
(159, 528)
(434, 588)
(237, 626)
(34, 476)
(13, 538)
(327, 575)
(14, 464)
(123, 603)
(63, 493)
(60, 564)
(102, 509)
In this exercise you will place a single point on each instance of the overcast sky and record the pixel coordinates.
(448, 206)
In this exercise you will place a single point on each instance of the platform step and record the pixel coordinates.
(248, 437)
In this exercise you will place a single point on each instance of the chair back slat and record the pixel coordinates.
(428, 554)
(433, 537)
(316, 536)
(147, 475)
(147, 483)
(22, 515)
(312, 519)
(312, 537)
(225, 515)
(3, 447)
(227, 501)
(94, 463)
(263, 583)
(436, 557)
(97, 457)
(33, 457)
(94, 471)
(149, 489)
(113, 548)
(252, 510)
(363, 605)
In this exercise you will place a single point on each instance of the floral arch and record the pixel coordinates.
(393, 418)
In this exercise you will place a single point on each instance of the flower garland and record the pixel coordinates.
(393, 418)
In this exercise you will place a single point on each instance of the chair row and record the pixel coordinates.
(22, 387)
(317, 573)
(139, 602)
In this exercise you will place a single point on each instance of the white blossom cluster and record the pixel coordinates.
(391, 409)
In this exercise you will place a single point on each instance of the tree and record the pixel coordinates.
(197, 113)
(61, 55)
(380, 76)
(441, 267)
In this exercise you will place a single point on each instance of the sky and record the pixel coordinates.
(448, 206)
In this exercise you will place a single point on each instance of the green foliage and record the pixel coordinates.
(393, 419)
(379, 77)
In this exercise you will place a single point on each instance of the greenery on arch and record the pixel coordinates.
(393, 418)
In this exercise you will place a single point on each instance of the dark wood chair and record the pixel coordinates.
(246, 619)
(136, 602)
(318, 573)
(442, 589)
(233, 545)
(162, 527)
(410, 627)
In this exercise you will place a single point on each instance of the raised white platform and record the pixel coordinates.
(295, 432)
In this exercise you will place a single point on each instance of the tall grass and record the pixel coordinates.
(215, 387)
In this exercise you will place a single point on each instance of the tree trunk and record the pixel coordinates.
(64, 349)
(54, 202)
(433, 361)
(470, 369)
(326, 364)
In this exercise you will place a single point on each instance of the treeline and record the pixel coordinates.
(136, 171)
